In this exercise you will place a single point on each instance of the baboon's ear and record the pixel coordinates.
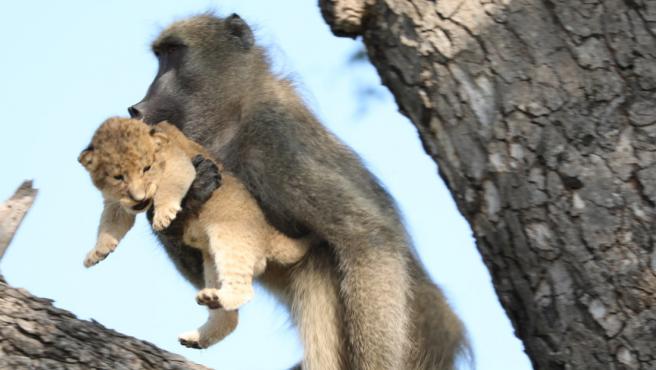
(87, 158)
(238, 29)
(159, 136)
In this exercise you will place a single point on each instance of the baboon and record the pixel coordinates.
(360, 297)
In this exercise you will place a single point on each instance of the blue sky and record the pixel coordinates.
(67, 65)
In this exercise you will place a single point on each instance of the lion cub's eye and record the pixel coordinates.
(146, 169)
(118, 177)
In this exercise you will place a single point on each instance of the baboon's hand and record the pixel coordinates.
(104, 246)
(164, 214)
(208, 179)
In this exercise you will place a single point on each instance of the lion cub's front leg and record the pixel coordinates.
(173, 186)
(115, 222)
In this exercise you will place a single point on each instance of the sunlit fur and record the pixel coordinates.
(118, 149)
(155, 163)
(360, 297)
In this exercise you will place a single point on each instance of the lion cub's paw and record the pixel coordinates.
(164, 214)
(191, 339)
(209, 297)
(227, 298)
(100, 252)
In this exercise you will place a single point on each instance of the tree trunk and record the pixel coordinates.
(35, 335)
(542, 117)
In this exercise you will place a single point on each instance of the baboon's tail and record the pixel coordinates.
(438, 334)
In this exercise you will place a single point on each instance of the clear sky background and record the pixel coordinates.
(65, 66)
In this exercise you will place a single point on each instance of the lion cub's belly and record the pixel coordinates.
(232, 209)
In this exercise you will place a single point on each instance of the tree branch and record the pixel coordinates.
(13, 211)
(36, 335)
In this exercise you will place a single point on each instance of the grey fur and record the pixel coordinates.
(378, 301)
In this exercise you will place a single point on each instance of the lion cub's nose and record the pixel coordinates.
(136, 195)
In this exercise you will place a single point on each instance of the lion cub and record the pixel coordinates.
(137, 166)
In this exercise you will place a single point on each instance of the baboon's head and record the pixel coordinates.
(201, 60)
(123, 161)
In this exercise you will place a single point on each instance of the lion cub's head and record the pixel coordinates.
(124, 162)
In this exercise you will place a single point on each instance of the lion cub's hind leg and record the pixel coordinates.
(286, 250)
(209, 295)
(235, 251)
(220, 322)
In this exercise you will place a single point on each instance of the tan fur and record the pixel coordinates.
(316, 310)
(154, 167)
(114, 224)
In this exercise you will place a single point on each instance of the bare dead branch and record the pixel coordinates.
(13, 211)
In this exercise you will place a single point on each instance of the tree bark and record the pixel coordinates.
(542, 117)
(35, 335)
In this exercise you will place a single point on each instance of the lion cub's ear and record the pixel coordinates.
(87, 158)
(159, 137)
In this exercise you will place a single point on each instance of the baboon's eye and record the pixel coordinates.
(118, 177)
(146, 169)
(167, 47)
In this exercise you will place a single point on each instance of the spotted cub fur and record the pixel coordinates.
(137, 166)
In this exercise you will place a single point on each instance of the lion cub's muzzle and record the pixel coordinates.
(142, 205)
(136, 206)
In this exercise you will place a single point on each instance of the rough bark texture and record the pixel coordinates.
(13, 211)
(35, 335)
(542, 117)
